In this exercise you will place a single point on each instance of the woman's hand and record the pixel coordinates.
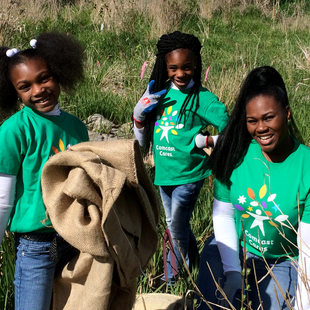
(232, 288)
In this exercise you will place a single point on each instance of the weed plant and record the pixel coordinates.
(119, 36)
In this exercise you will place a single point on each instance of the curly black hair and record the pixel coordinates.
(63, 55)
(234, 140)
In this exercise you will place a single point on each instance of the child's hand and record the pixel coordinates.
(147, 102)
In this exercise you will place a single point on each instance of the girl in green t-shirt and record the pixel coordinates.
(171, 114)
(261, 205)
(40, 129)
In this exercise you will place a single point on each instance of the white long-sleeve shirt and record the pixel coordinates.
(228, 245)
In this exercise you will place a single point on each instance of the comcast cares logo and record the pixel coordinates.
(261, 207)
(168, 124)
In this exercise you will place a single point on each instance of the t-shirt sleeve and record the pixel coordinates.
(80, 128)
(86, 137)
(12, 148)
(221, 191)
(215, 112)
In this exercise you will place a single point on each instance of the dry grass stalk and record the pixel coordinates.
(113, 80)
(229, 79)
(303, 60)
(192, 280)
(296, 21)
(118, 15)
(209, 7)
(164, 16)
(9, 21)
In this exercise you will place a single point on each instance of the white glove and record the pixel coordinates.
(232, 288)
(147, 102)
(139, 134)
(201, 141)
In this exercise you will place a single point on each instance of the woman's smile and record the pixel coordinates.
(267, 123)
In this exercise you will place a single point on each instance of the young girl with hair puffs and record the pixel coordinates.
(171, 114)
(40, 129)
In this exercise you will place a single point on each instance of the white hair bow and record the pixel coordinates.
(33, 43)
(11, 52)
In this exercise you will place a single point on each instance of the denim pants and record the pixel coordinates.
(34, 275)
(179, 202)
(283, 271)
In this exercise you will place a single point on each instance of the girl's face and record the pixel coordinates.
(267, 123)
(35, 85)
(181, 64)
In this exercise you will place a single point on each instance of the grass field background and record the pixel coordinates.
(119, 36)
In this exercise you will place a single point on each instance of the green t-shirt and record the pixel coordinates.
(28, 139)
(268, 199)
(177, 159)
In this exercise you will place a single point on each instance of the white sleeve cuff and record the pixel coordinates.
(302, 299)
(214, 140)
(7, 196)
(139, 134)
(226, 235)
(7, 188)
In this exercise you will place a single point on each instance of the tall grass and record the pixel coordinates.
(6, 273)
(119, 36)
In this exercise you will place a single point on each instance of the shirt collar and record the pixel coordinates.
(55, 112)
(189, 85)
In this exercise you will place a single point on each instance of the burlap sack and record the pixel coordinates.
(100, 199)
(158, 301)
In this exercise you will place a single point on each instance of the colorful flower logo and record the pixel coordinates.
(258, 209)
(168, 124)
(61, 146)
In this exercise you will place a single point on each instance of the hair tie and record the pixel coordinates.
(33, 43)
(11, 52)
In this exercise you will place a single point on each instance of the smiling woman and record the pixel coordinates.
(262, 198)
(267, 123)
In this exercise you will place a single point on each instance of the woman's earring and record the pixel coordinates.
(19, 101)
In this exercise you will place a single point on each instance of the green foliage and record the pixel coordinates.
(7, 261)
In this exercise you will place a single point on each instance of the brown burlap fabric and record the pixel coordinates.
(159, 301)
(100, 199)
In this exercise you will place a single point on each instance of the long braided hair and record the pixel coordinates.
(166, 44)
